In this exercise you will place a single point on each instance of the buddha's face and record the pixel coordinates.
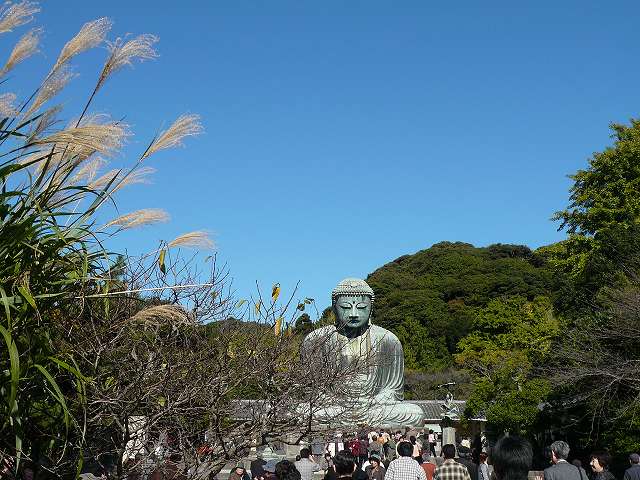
(352, 311)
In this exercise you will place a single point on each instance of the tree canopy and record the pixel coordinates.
(430, 299)
(602, 221)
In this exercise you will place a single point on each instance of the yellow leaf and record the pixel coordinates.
(258, 305)
(278, 326)
(275, 292)
(163, 268)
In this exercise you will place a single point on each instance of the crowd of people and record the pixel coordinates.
(397, 457)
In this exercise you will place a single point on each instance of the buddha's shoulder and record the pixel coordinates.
(382, 333)
(322, 332)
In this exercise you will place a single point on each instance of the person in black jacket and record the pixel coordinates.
(464, 455)
(345, 468)
(600, 462)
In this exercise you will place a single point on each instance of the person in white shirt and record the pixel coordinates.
(405, 467)
(306, 465)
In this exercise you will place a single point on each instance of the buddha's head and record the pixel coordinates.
(352, 300)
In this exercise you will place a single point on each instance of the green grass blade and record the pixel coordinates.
(57, 393)
(14, 369)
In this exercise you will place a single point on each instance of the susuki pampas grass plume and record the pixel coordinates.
(87, 173)
(141, 175)
(45, 159)
(139, 218)
(103, 138)
(46, 121)
(185, 125)
(118, 180)
(161, 315)
(7, 108)
(104, 180)
(14, 15)
(196, 239)
(26, 46)
(124, 53)
(50, 88)
(90, 35)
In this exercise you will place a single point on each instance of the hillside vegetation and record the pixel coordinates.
(431, 298)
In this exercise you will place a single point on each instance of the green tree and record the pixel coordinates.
(510, 338)
(602, 221)
(421, 350)
(303, 324)
(598, 292)
(433, 294)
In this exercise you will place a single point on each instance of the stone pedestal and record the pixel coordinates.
(448, 435)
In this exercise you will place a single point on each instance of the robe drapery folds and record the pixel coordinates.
(377, 378)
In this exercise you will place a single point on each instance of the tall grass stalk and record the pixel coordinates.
(51, 249)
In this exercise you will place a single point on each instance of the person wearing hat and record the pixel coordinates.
(375, 470)
(464, 458)
(239, 472)
(633, 472)
(256, 466)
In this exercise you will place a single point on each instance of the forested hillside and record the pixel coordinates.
(431, 298)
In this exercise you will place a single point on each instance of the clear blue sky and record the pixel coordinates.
(341, 135)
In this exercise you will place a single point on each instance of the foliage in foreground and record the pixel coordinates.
(97, 373)
(52, 184)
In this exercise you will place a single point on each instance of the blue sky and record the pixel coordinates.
(342, 135)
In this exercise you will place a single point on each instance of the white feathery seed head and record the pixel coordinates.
(197, 239)
(87, 173)
(39, 157)
(160, 315)
(138, 176)
(46, 120)
(106, 179)
(88, 119)
(139, 218)
(7, 108)
(53, 84)
(13, 15)
(86, 139)
(123, 53)
(26, 46)
(184, 126)
(48, 161)
(90, 35)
